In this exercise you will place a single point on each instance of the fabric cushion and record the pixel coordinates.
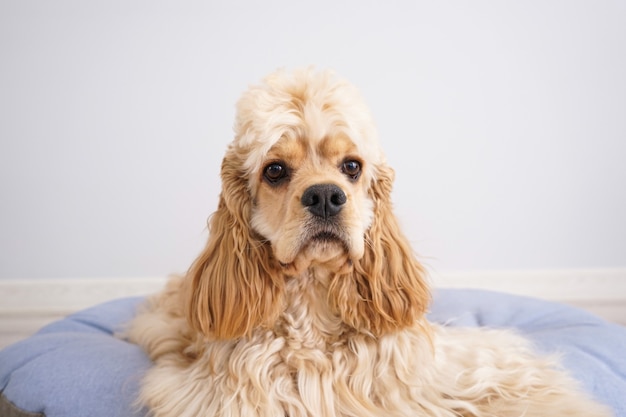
(76, 367)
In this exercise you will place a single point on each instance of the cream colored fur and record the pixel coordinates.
(274, 320)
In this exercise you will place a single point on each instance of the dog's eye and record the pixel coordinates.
(275, 172)
(351, 168)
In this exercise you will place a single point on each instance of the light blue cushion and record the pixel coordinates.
(592, 349)
(75, 367)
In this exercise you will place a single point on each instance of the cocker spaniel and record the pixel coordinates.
(308, 300)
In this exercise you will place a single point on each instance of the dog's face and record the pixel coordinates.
(304, 185)
(310, 188)
(311, 201)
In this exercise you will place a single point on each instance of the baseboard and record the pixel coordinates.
(28, 304)
(63, 296)
(560, 285)
(600, 291)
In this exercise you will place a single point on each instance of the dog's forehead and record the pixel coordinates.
(297, 150)
(335, 147)
(306, 107)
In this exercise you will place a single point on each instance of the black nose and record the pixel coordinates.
(324, 200)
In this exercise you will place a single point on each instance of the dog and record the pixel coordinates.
(309, 301)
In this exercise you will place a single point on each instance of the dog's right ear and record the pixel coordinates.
(235, 284)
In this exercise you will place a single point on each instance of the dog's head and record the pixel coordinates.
(310, 156)
(305, 185)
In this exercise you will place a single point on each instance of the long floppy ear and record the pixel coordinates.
(387, 290)
(234, 285)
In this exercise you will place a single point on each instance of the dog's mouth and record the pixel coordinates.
(325, 233)
(326, 246)
(327, 236)
(326, 242)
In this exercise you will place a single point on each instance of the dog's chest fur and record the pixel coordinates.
(312, 364)
(308, 364)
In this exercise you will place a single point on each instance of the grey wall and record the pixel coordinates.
(505, 122)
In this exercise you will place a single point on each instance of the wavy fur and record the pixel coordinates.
(235, 282)
(292, 312)
(389, 282)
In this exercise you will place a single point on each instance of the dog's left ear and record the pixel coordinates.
(387, 290)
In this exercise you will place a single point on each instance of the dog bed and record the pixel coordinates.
(76, 367)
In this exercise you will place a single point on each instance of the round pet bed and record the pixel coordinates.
(76, 367)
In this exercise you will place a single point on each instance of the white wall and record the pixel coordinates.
(505, 122)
